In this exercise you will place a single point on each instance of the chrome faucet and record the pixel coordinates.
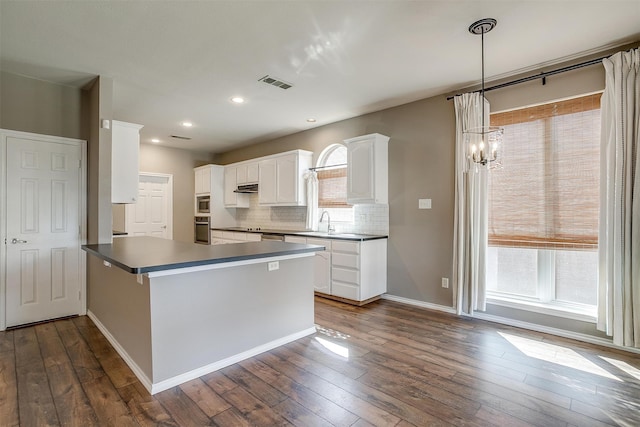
(329, 229)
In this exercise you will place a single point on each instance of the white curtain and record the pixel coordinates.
(311, 179)
(471, 211)
(619, 238)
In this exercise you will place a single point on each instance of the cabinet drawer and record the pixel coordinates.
(344, 275)
(345, 260)
(239, 235)
(253, 237)
(228, 235)
(217, 233)
(320, 242)
(345, 290)
(295, 239)
(344, 246)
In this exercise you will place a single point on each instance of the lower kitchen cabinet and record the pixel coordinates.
(353, 270)
(219, 237)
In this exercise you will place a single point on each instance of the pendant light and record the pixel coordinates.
(484, 142)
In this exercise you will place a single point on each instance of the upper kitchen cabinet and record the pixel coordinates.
(202, 179)
(231, 198)
(367, 169)
(247, 173)
(125, 147)
(281, 178)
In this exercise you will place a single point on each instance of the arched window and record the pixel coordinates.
(332, 177)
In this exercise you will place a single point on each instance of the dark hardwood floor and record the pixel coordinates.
(385, 364)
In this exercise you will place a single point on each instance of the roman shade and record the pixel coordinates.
(546, 195)
(332, 188)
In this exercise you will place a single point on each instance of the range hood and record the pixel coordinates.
(246, 188)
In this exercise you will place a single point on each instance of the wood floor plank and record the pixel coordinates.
(72, 405)
(6, 341)
(298, 415)
(183, 410)
(146, 409)
(208, 400)
(82, 358)
(253, 409)
(254, 385)
(352, 403)
(8, 387)
(231, 417)
(380, 399)
(318, 404)
(219, 382)
(36, 405)
(110, 409)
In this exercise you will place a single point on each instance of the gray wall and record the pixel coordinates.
(31, 105)
(180, 164)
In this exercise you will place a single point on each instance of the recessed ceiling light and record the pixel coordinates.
(187, 124)
(155, 140)
(311, 120)
(237, 100)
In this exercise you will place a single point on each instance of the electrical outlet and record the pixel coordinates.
(445, 282)
(274, 265)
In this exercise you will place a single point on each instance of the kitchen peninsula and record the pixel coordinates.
(176, 311)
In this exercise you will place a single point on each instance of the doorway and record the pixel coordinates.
(152, 214)
(43, 224)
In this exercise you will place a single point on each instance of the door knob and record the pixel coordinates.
(14, 241)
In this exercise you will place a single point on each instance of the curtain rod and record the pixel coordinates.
(327, 167)
(542, 75)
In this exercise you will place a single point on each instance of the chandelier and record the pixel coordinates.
(484, 142)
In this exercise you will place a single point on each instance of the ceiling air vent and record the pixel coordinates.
(275, 82)
(180, 137)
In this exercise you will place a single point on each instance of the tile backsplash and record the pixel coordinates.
(367, 219)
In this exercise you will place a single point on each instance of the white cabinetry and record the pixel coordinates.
(359, 269)
(281, 178)
(210, 178)
(247, 173)
(125, 147)
(353, 270)
(232, 199)
(202, 180)
(367, 170)
(322, 262)
(322, 266)
(220, 237)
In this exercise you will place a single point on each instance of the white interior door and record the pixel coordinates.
(151, 214)
(43, 206)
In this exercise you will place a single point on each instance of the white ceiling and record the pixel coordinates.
(172, 61)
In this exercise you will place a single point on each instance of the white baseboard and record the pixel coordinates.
(154, 388)
(417, 303)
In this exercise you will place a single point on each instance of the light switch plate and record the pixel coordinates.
(424, 203)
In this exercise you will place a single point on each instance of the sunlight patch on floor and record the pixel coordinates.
(623, 366)
(556, 354)
(338, 349)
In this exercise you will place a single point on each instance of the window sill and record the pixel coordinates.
(567, 311)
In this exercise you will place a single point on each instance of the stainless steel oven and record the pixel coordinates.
(202, 230)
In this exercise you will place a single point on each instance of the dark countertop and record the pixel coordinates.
(143, 254)
(317, 234)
